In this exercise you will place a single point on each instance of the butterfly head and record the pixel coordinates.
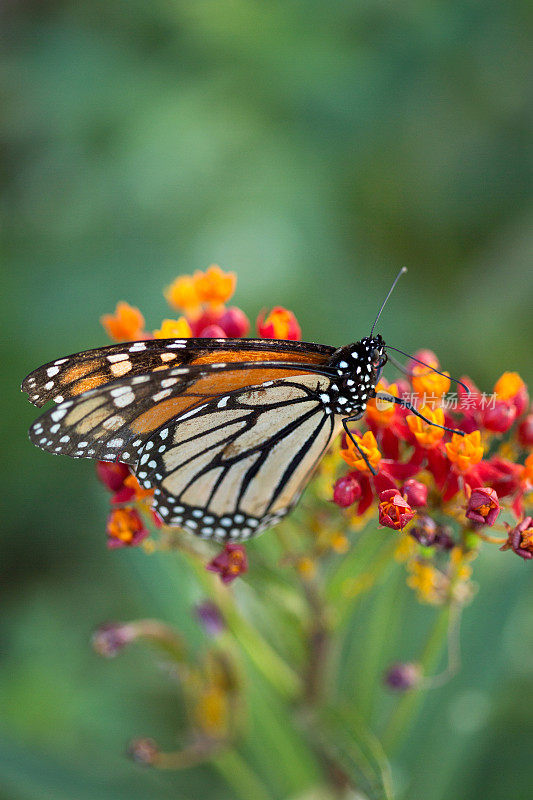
(358, 366)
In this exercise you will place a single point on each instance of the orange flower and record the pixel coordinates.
(430, 383)
(381, 411)
(174, 329)
(465, 451)
(279, 324)
(214, 286)
(183, 294)
(139, 492)
(511, 388)
(368, 445)
(125, 528)
(508, 385)
(528, 472)
(427, 435)
(125, 325)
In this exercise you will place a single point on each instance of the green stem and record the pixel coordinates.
(382, 564)
(238, 774)
(260, 652)
(376, 636)
(408, 705)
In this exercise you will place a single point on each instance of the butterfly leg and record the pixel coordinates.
(345, 422)
(410, 407)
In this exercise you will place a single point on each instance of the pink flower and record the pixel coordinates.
(234, 322)
(213, 332)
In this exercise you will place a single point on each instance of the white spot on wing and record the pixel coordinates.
(117, 357)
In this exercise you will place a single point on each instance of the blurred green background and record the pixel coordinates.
(314, 148)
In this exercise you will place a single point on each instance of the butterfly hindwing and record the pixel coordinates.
(236, 464)
(71, 376)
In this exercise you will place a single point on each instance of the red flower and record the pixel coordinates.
(483, 506)
(230, 563)
(394, 511)
(520, 539)
(415, 493)
(525, 431)
(206, 318)
(501, 475)
(347, 490)
(279, 324)
(112, 475)
(125, 528)
(500, 416)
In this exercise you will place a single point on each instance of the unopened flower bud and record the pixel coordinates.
(424, 530)
(525, 431)
(213, 332)
(109, 639)
(415, 493)
(403, 676)
(143, 751)
(209, 615)
(234, 322)
(500, 416)
(347, 490)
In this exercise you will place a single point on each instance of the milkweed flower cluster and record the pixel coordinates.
(443, 490)
(437, 497)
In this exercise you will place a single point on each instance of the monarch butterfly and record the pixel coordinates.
(226, 431)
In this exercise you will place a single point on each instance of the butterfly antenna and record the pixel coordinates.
(431, 369)
(396, 279)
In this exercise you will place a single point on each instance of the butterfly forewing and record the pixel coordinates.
(231, 467)
(113, 422)
(73, 375)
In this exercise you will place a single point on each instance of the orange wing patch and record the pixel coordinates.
(230, 356)
(205, 388)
